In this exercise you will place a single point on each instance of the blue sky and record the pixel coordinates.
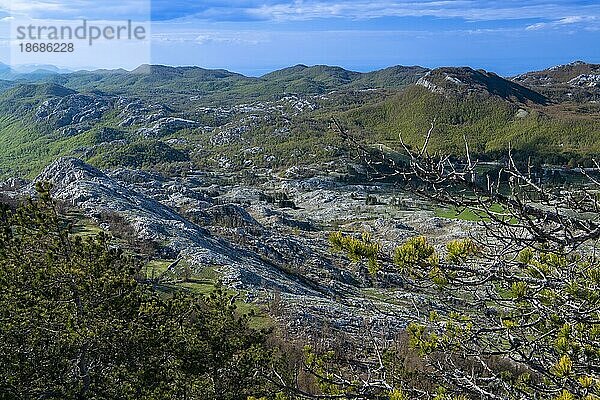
(258, 36)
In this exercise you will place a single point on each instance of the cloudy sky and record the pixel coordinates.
(257, 36)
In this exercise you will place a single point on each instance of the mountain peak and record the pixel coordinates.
(559, 74)
(154, 69)
(576, 80)
(466, 80)
(182, 71)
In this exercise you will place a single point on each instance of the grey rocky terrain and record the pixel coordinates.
(266, 240)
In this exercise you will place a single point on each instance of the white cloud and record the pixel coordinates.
(229, 38)
(75, 9)
(19, 7)
(571, 20)
(587, 22)
(281, 10)
(465, 9)
(536, 27)
(546, 13)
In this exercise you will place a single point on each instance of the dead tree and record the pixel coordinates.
(523, 302)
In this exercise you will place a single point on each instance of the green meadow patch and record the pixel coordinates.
(474, 215)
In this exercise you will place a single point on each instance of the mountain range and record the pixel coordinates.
(577, 74)
(215, 118)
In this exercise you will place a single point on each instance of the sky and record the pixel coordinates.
(258, 36)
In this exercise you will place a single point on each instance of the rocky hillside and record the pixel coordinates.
(255, 244)
(466, 81)
(577, 81)
(96, 193)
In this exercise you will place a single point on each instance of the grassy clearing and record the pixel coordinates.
(155, 268)
(203, 283)
(451, 213)
(86, 228)
(387, 297)
(471, 215)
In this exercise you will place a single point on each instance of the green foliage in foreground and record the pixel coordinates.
(518, 328)
(357, 249)
(77, 321)
(542, 339)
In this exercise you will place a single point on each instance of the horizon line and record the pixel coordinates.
(69, 70)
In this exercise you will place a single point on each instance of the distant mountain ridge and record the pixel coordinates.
(571, 70)
(29, 71)
(159, 114)
(560, 74)
(559, 83)
(574, 81)
(191, 71)
(219, 86)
